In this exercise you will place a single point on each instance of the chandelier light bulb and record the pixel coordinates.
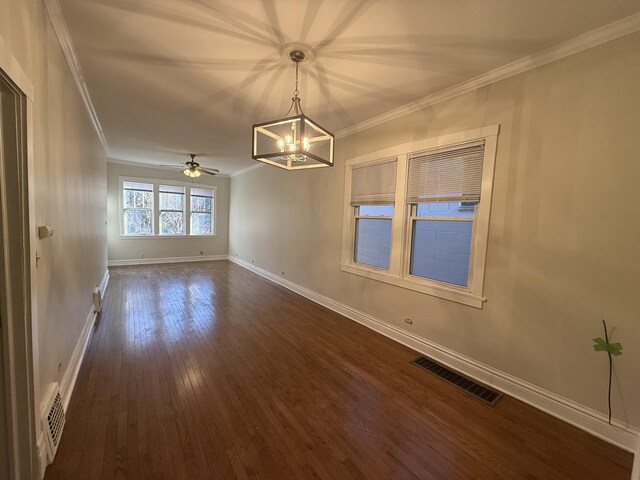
(288, 139)
(305, 143)
(281, 145)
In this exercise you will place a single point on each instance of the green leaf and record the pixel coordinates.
(601, 345)
(615, 349)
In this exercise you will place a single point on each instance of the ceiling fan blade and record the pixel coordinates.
(172, 166)
(212, 171)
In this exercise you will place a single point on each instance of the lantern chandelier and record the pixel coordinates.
(293, 142)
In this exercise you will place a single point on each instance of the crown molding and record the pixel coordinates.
(131, 163)
(575, 45)
(588, 40)
(62, 32)
(247, 169)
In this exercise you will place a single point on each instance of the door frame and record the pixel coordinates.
(19, 329)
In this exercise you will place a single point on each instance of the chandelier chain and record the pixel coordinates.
(296, 92)
(297, 57)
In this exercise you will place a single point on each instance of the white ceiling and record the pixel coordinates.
(169, 77)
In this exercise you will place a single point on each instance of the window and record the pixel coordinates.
(171, 210)
(157, 208)
(443, 189)
(137, 199)
(373, 190)
(201, 211)
(421, 219)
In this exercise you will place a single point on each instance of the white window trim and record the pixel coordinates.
(156, 182)
(398, 273)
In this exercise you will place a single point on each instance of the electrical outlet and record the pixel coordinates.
(140, 255)
(253, 261)
(283, 274)
(201, 252)
(408, 321)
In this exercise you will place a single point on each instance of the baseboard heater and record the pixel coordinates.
(97, 300)
(482, 392)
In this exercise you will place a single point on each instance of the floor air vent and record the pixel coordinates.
(483, 393)
(54, 421)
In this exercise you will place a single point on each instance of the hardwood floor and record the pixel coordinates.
(208, 371)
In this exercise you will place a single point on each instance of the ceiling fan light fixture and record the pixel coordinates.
(293, 142)
(191, 172)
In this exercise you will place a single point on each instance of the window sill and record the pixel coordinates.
(163, 237)
(448, 293)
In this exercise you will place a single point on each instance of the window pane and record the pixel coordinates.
(373, 242)
(201, 204)
(201, 224)
(137, 199)
(137, 195)
(171, 223)
(376, 210)
(446, 209)
(441, 249)
(137, 222)
(171, 201)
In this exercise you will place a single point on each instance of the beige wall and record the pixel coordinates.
(564, 232)
(131, 248)
(70, 188)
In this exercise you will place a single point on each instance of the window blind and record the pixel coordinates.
(446, 175)
(374, 184)
(171, 189)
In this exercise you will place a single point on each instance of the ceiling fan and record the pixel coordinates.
(193, 168)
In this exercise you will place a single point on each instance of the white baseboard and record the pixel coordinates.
(635, 474)
(73, 367)
(152, 261)
(71, 373)
(592, 421)
(104, 282)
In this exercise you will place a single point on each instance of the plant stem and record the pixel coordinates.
(606, 338)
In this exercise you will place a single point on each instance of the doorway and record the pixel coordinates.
(17, 422)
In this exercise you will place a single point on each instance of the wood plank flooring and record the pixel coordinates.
(208, 371)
